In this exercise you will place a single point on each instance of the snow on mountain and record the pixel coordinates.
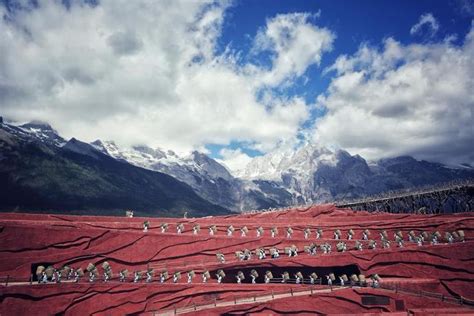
(206, 176)
(314, 174)
(37, 131)
(292, 168)
(274, 165)
(44, 132)
(141, 156)
(165, 161)
(307, 174)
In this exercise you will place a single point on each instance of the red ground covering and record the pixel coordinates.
(346, 302)
(27, 239)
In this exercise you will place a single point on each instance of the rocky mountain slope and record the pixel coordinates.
(36, 174)
(206, 176)
(317, 174)
(308, 174)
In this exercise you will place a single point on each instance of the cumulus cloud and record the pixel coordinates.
(148, 72)
(403, 99)
(427, 21)
(295, 43)
(234, 159)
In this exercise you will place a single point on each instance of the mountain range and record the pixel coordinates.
(41, 171)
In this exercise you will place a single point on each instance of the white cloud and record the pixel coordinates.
(296, 43)
(234, 160)
(147, 72)
(427, 20)
(414, 99)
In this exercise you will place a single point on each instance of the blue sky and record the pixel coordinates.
(354, 23)
(239, 78)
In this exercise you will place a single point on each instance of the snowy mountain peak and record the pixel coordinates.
(43, 132)
(200, 159)
(210, 179)
(286, 176)
(156, 153)
(141, 156)
(208, 166)
(106, 147)
(38, 125)
(302, 161)
(100, 146)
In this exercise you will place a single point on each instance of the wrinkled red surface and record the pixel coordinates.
(346, 302)
(26, 239)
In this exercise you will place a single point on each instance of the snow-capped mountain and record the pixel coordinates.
(291, 168)
(141, 156)
(158, 159)
(37, 130)
(44, 132)
(206, 176)
(39, 174)
(307, 174)
(316, 174)
(274, 165)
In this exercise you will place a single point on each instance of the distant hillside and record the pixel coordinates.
(41, 171)
(316, 174)
(39, 176)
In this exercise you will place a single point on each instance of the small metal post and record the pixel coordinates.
(255, 298)
(215, 302)
(291, 290)
(273, 296)
(6, 282)
(194, 306)
(175, 312)
(311, 290)
(31, 279)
